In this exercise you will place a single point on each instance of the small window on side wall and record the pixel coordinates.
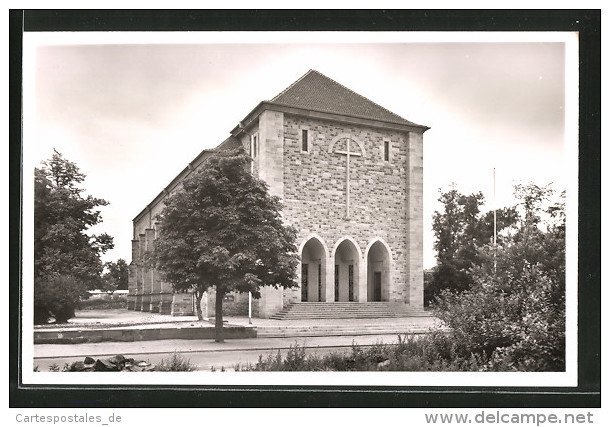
(254, 146)
(386, 151)
(304, 140)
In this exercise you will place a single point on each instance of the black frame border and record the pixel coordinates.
(586, 22)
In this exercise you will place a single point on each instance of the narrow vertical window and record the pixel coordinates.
(305, 142)
(255, 145)
(386, 151)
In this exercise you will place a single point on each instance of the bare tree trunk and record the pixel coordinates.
(218, 316)
(198, 296)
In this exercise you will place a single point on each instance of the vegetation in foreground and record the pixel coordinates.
(175, 363)
(424, 353)
(119, 363)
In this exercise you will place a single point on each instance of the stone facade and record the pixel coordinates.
(384, 230)
(147, 292)
(352, 185)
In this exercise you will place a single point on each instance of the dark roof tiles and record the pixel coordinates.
(231, 143)
(314, 91)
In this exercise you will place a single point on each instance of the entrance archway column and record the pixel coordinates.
(362, 285)
(330, 279)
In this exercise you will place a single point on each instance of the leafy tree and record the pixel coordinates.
(116, 276)
(222, 229)
(66, 259)
(513, 315)
(460, 230)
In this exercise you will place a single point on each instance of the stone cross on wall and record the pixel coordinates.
(347, 153)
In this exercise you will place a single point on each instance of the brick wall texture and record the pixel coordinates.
(385, 201)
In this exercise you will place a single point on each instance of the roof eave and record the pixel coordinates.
(247, 122)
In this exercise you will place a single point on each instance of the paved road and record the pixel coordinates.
(204, 354)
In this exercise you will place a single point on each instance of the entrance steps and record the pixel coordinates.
(401, 328)
(347, 310)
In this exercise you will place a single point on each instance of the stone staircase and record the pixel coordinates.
(346, 310)
(400, 328)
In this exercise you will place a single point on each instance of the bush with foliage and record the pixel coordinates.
(66, 257)
(175, 363)
(115, 277)
(56, 296)
(513, 314)
(460, 229)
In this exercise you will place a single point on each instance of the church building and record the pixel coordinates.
(350, 176)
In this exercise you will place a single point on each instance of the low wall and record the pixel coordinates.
(148, 334)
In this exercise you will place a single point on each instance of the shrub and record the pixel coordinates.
(511, 314)
(513, 317)
(56, 297)
(175, 363)
(425, 353)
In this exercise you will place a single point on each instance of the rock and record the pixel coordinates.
(89, 360)
(105, 366)
(78, 367)
(119, 359)
(383, 364)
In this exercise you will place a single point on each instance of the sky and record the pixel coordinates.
(133, 111)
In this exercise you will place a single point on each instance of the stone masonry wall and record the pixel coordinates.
(415, 211)
(270, 168)
(315, 195)
(147, 292)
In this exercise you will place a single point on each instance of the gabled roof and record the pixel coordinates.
(314, 91)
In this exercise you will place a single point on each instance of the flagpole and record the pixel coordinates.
(495, 222)
(252, 173)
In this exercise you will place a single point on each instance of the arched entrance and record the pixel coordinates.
(346, 272)
(378, 272)
(313, 271)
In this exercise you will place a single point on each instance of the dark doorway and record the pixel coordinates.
(351, 282)
(336, 282)
(377, 286)
(378, 272)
